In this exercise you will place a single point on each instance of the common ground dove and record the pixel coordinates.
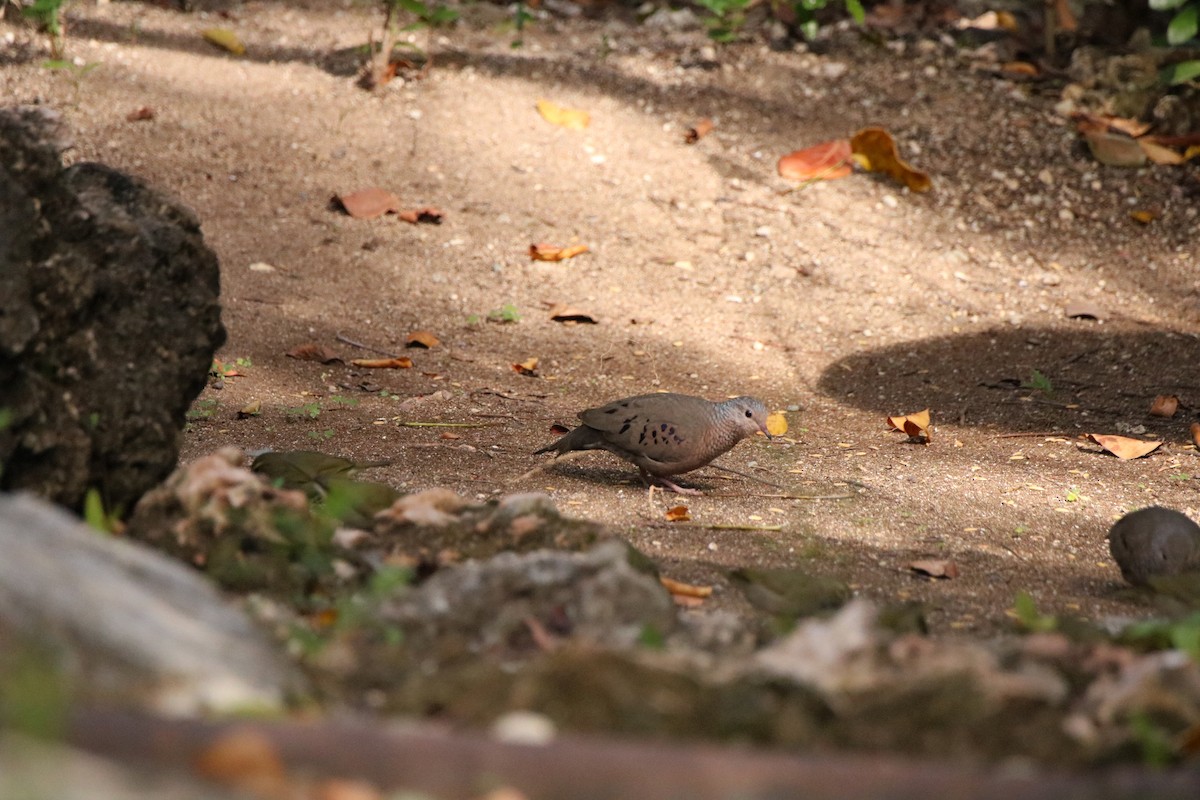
(1154, 541)
(665, 434)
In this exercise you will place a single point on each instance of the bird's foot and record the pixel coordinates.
(665, 483)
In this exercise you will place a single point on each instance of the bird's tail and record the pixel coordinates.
(581, 438)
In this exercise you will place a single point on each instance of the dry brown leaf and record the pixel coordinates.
(1086, 122)
(427, 214)
(1159, 154)
(422, 339)
(450, 435)
(403, 362)
(678, 514)
(915, 425)
(527, 367)
(565, 313)
(698, 131)
(1142, 215)
(140, 114)
(1066, 17)
(685, 589)
(825, 161)
(875, 150)
(1164, 405)
(1123, 447)
(544, 251)
(1114, 149)
(572, 118)
(1194, 432)
(244, 759)
(251, 409)
(369, 203)
(313, 352)
(777, 424)
(935, 567)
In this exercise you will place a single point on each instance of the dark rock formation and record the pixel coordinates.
(109, 318)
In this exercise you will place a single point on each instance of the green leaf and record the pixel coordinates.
(1185, 24)
(1166, 5)
(1182, 72)
(856, 11)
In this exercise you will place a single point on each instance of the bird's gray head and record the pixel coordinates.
(749, 413)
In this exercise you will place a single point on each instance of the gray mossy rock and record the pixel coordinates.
(128, 625)
(109, 318)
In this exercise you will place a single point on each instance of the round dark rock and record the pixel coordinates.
(1154, 541)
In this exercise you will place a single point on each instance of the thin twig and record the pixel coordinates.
(361, 346)
(767, 528)
(845, 496)
(449, 424)
(1031, 435)
(744, 475)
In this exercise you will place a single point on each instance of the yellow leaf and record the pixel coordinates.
(572, 118)
(545, 251)
(224, 39)
(1123, 447)
(777, 424)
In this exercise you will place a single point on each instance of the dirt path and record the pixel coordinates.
(844, 302)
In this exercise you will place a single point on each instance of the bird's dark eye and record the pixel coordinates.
(749, 413)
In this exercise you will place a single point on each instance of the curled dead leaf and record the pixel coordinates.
(825, 161)
(685, 589)
(527, 367)
(698, 131)
(544, 251)
(569, 314)
(1123, 447)
(777, 424)
(1086, 122)
(403, 362)
(915, 425)
(678, 514)
(423, 339)
(935, 567)
(875, 150)
(427, 214)
(572, 118)
(313, 352)
(1164, 405)
(368, 203)
(140, 114)
(251, 409)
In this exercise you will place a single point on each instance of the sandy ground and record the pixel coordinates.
(841, 303)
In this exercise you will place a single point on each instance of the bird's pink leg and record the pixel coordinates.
(651, 480)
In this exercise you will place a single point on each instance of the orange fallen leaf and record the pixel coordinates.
(1143, 216)
(825, 161)
(1194, 431)
(698, 131)
(1123, 447)
(875, 150)
(565, 313)
(572, 118)
(915, 425)
(140, 114)
(313, 352)
(527, 367)
(244, 759)
(1020, 68)
(685, 589)
(403, 362)
(1159, 154)
(935, 567)
(1165, 405)
(1086, 122)
(423, 339)
(369, 203)
(678, 514)
(545, 251)
(426, 214)
(777, 424)
(450, 435)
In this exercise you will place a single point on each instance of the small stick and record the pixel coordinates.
(768, 528)
(1031, 435)
(845, 496)
(361, 346)
(744, 475)
(449, 424)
